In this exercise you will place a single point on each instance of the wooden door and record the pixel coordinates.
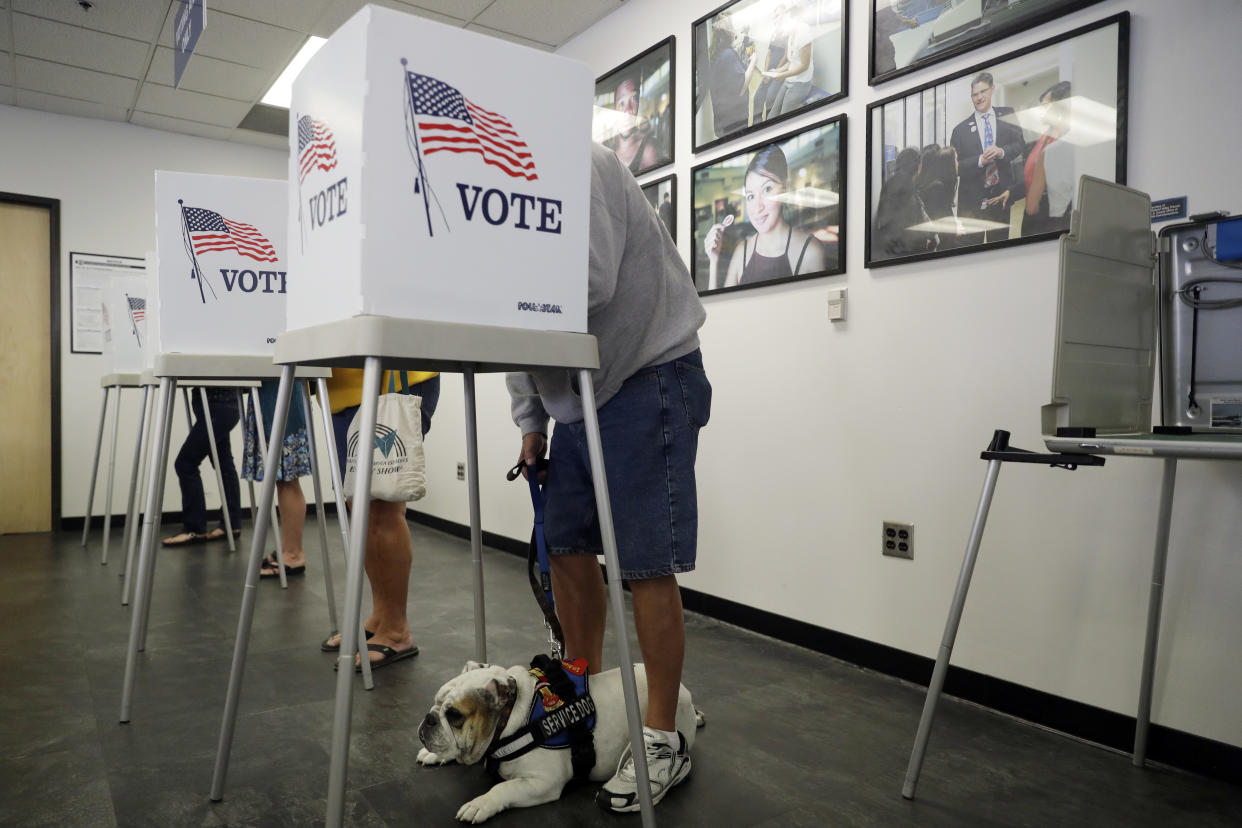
(26, 367)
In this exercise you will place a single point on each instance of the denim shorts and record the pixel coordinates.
(650, 435)
(428, 389)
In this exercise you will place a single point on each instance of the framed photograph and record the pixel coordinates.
(991, 156)
(757, 62)
(773, 212)
(909, 34)
(662, 193)
(634, 109)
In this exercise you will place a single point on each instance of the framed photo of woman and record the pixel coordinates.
(991, 156)
(758, 62)
(662, 195)
(773, 212)
(907, 35)
(634, 109)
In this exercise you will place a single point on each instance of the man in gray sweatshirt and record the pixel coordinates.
(653, 397)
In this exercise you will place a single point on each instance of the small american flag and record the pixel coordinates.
(316, 147)
(449, 122)
(211, 232)
(137, 307)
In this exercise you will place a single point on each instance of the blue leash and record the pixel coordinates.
(538, 554)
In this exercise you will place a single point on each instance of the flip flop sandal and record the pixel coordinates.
(212, 536)
(328, 647)
(390, 656)
(191, 538)
(271, 564)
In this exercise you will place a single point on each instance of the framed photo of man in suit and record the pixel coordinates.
(662, 195)
(991, 156)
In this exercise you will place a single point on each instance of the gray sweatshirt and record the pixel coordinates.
(642, 306)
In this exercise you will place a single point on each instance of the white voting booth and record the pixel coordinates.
(439, 209)
(215, 306)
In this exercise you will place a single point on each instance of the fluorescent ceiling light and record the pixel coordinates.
(281, 92)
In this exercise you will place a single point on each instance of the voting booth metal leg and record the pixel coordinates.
(950, 631)
(612, 564)
(149, 572)
(276, 447)
(150, 525)
(215, 461)
(271, 461)
(476, 523)
(116, 427)
(320, 514)
(241, 408)
(90, 498)
(135, 470)
(353, 601)
(138, 488)
(1154, 602)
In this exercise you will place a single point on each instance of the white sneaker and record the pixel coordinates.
(666, 767)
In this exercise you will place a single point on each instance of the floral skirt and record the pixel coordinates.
(294, 453)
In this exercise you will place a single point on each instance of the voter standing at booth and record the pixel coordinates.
(653, 396)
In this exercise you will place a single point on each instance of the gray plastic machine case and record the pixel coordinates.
(1125, 293)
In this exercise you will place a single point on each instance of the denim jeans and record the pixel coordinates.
(222, 402)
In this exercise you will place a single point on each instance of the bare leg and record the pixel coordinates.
(581, 606)
(388, 569)
(661, 630)
(292, 518)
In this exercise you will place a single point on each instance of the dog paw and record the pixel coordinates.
(426, 757)
(479, 809)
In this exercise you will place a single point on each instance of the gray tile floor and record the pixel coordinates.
(793, 738)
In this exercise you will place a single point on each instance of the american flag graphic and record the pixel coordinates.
(211, 232)
(316, 147)
(449, 122)
(137, 307)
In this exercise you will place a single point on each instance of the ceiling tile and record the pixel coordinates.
(295, 15)
(211, 76)
(138, 19)
(6, 69)
(460, 9)
(149, 119)
(554, 21)
(190, 106)
(68, 106)
(238, 40)
(58, 42)
(71, 82)
(512, 38)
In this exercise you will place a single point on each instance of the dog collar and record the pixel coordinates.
(561, 715)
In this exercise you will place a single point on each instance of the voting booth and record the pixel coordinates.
(438, 174)
(220, 264)
(124, 306)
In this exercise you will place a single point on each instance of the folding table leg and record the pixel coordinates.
(271, 461)
(612, 564)
(150, 525)
(320, 514)
(258, 420)
(351, 630)
(1154, 602)
(149, 572)
(950, 631)
(338, 487)
(135, 471)
(148, 446)
(116, 427)
(90, 498)
(241, 408)
(215, 461)
(476, 525)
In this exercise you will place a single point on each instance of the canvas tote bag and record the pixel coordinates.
(398, 466)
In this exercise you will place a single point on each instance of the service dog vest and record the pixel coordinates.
(561, 715)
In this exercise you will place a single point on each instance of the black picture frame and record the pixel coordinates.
(934, 194)
(735, 43)
(643, 138)
(662, 196)
(113, 262)
(812, 210)
(930, 31)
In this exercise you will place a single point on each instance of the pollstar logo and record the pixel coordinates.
(206, 232)
(439, 118)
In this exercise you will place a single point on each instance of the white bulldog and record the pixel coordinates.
(468, 709)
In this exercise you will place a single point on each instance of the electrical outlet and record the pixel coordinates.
(461, 471)
(898, 540)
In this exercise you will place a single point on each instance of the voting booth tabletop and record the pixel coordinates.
(792, 737)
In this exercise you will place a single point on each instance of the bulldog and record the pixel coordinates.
(486, 704)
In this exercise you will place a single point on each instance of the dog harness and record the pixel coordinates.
(561, 715)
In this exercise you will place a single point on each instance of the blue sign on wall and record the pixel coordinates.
(191, 20)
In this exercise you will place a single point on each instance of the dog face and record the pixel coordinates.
(466, 713)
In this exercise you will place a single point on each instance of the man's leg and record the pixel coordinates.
(661, 629)
(388, 560)
(581, 606)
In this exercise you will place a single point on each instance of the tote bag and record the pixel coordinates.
(398, 465)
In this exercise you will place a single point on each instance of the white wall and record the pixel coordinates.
(820, 431)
